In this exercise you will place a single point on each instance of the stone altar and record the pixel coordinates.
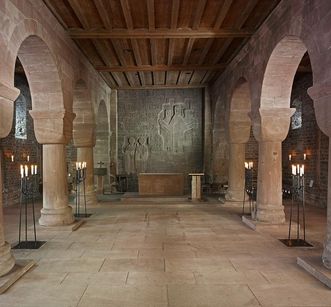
(161, 184)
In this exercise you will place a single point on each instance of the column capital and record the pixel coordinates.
(239, 132)
(51, 125)
(84, 134)
(7, 97)
(273, 124)
(321, 94)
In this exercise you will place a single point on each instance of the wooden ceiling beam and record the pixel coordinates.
(127, 13)
(151, 14)
(160, 67)
(103, 13)
(222, 13)
(198, 14)
(160, 86)
(188, 50)
(136, 54)
(159, 34)
(75, 5)
(174, 13)
(171, 51)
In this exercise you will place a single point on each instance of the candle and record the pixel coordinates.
(246, 165)
(22, 171)
(26, 170)
(35, 169)
(79, 165)
(294, 170)
(250, 165)
(32, 169)
(28, 158)
(12, 158)
(302, 170)
(289, 157)
(304, 156)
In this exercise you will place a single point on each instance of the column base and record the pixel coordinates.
(234, 195)
(326, 256)
(7, 260)
(56, 217)
(91, 198)
(270, 214)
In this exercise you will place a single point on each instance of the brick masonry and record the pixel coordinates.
(20, 148)
(308, 139)
(174, 141)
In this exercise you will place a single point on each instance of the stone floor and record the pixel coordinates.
(165, 255)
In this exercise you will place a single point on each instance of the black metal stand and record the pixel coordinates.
(29, 187)
(80, 181)
(298, 198)
(249, 190)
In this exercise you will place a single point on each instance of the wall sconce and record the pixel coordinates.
(290, 157)
(304, 156)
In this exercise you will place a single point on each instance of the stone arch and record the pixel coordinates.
(83, 124)
(101, 149)
(31, 43)
(280, 71)
(238, 132)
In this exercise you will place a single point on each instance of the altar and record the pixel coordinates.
(161, 184)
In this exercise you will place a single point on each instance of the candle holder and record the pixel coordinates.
(249, 190)
(29, 190)
(298, 199)
(80, 178)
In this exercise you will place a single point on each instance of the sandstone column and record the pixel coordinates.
(7, 97)
(55, 209)
(321, 94)
(50, 131)
(86, 154)
(239, 131)
(273, 130)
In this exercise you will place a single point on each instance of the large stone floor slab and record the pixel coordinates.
(166, 255)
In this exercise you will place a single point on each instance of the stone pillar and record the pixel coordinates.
(50, 131)
(239, 131)
(321, 94)
(236, 172)
(55, 209)
(273, 130)
(86, 154)
(7, 97)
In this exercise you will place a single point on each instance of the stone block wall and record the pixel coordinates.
(20, 148)
(160, 131)
(308, 139)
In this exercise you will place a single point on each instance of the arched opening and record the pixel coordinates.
(284, 95)
(101, 149)
(239, 133)
(84, 135)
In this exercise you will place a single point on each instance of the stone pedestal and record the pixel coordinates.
(56, 210)
(100, 184)
(236, 172)
(269, 197)
(196, 185)
(86, 154)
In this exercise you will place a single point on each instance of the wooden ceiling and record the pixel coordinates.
(160, 43)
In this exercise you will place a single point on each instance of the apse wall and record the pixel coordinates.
(160, 131)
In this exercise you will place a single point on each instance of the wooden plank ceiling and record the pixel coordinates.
(160, 43)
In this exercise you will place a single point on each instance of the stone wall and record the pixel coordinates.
(310, 140)
(160, 131)
(21, 146)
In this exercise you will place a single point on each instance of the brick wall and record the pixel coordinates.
(310, 140)
(19, 147)
(170, 122)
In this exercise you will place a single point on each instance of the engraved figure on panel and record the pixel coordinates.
(141, 155)
(129, 150)
(174, 127)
